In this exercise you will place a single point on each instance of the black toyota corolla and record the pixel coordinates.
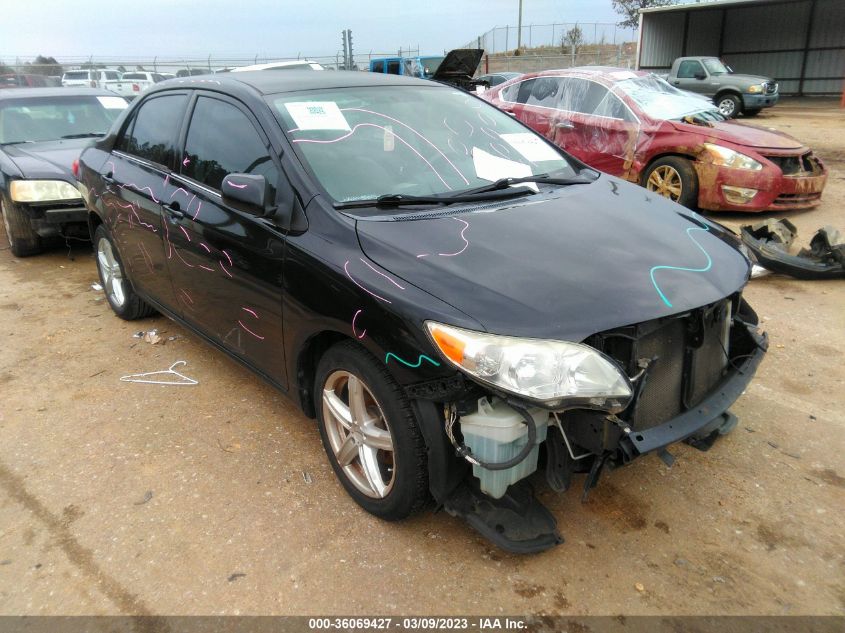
(446, 292)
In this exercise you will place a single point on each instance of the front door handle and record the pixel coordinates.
(564, 125)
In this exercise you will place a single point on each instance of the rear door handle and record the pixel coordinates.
(564, 125)
(174, 211)
(107, 178)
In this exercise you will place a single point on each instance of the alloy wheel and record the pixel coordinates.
(111, 273)
(727, 107)
(666, 181)
(358, 434)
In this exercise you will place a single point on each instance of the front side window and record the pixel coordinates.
(364, 142)
(30, 120)
(688, 68)
(222, 140)
(154, 132)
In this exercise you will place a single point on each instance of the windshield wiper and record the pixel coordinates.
(82, 135)
(542, 179)
(399, 199)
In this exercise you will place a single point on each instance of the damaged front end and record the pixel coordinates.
(683, 373)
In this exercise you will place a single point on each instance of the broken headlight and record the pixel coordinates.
(42, 190)
(554, 374)
(727, 157)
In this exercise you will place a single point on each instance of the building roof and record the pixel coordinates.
(692, 5)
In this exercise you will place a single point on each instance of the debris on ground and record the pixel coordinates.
(147, 496)
(151, 336)
(639, 587)
(769, 242)
(167, 376)
(235, 576)
(96, 287)
(306, 477)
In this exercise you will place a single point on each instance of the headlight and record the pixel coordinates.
(729, 158)
(42, 190)
(755, 89)
(553, 374)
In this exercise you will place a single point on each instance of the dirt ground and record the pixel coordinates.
(120, 498)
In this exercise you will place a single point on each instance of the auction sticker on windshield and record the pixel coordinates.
(317, 115)
(113, 103)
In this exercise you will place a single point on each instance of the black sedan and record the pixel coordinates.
(445, 291)
(42, 132)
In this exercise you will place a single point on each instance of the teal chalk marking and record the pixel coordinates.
(691, 270)
(404, 362)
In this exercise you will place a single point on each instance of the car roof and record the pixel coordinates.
(607, 74)
(268, 83)
(273, 65)
(81, 91)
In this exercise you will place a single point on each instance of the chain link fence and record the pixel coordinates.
(504, 38)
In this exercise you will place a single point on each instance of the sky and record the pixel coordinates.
(267, 28)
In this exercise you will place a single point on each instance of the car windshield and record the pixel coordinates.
(34, 119)
(715, 66)
(365, 142)
(660, 101)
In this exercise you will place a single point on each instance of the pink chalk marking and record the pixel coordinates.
(423, 255)
(186, 162)
(448, 127)
(141, 222)
(380, 127)
(364, 332)
(252, 312)
(231, 184)
(147, 259)
(187, 236)
(491, 134)
(227, 257)
(139, 190)
(378, 272)
(224, 270)
(211, 270)
(248, 331)
(471, 129)
(180, 190)
(198, 210)
(179, 255)
(452, 147)
(369, 292)
(185, 292)
(113, 167)
(486, 119)
(466, 241)
(207, 250)
(436, 149)
(494, 147)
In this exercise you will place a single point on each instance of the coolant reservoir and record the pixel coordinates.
(496, 433)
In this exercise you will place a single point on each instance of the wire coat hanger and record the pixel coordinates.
(144, 378)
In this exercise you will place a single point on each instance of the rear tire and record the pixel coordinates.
(729, 105)
(122, 298)
(673, 177)
(23, 240)
(370, 433)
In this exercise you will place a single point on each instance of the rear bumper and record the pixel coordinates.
(705, 418)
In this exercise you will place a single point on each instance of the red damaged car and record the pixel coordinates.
(635, 125)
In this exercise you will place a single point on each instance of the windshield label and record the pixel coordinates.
(530, 146)
(113, 103)
(317, 115)
(489, 167)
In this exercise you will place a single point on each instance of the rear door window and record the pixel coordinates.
(154, 130)
(222, 140)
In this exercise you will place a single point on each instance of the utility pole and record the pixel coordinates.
(346, 37)
(519, 29)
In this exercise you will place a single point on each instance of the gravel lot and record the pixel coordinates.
(120, 498)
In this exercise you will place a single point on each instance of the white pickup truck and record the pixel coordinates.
(90, 78)
(133, 83)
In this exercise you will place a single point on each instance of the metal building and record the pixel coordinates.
(800, 43)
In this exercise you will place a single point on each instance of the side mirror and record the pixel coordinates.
(246, 192)
(700, 76)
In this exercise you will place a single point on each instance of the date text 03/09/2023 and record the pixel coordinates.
(427, 623)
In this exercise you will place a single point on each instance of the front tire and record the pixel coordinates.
(23, 240)
(729, 105)
(673, 177)
(117, 288)
(370, 433)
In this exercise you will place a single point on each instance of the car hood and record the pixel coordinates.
(742, 134)
(48, 159)
(563, 265)
(459, 63)
(750, 79)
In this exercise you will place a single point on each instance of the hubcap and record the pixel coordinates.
(727, 107)
(111, 273)
(666, 181)
(358, 434)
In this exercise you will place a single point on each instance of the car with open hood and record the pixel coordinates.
(447, 292)
(42, 132)
(636, 126)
